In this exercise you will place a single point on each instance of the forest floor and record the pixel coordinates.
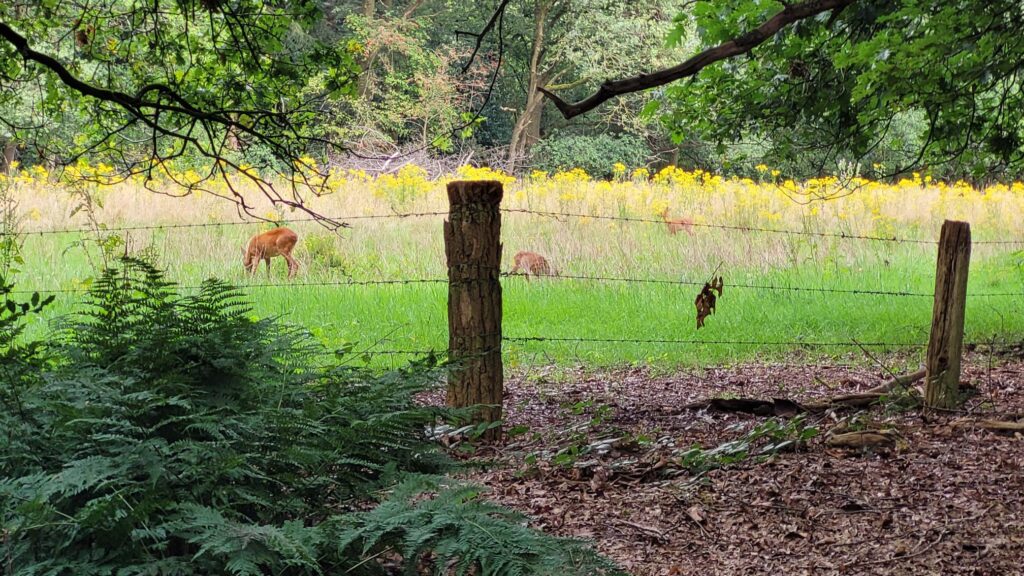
(608, 456)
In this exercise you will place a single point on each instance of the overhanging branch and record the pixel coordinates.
(167, 113)
(739, 45)
(139, 106)
(499, 12)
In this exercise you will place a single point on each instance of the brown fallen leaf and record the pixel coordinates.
(599, 480)
(696, 514)
(705, 301)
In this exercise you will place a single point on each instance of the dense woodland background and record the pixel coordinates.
(870, 88)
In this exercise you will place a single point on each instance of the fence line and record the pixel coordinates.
(544, 213)
(810, 344)
(767, 287)
(244, 287)
(442, 353)
(609, 279)
(216, 224)
(841, 235)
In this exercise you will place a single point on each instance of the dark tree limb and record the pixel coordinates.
(139, 106)
(735, 47)
(166, 113)
(498, 14)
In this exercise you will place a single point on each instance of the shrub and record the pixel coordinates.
(595, 154)
(177, 434)
(324, 250)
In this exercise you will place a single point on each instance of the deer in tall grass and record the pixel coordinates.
(532, 264)
(276, 242)
(677, 224)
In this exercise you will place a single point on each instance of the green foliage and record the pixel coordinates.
(325, 250)
(460, 535)
(168, 79)
(845, 88)
(21, 365)
(168, 433)
(769, 437)
(596, 154)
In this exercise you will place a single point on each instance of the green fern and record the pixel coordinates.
(165, 433)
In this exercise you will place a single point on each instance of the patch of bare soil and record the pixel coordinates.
(610, 457)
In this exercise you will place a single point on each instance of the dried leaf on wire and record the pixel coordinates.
(706, 299)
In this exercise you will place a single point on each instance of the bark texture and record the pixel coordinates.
(472, 240)
(942, 367)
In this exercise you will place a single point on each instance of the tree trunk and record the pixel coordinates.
(472, 240)
(231, 140)
(10, 154)
(364, 83)
(526, 131)
(942, 367)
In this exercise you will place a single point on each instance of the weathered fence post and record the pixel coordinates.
(472, 244)
(942, 367)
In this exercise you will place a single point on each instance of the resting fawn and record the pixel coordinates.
(276, 242)
(532, 264)
(677, 224)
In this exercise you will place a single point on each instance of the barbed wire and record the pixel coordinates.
(397, 215)
(549, 214)
(610, 279)
(371, 352)
(244, 287)
(842, 235)
(768, 287)
(808, 343)
(443, 353)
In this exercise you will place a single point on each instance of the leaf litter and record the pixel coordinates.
(666, 490)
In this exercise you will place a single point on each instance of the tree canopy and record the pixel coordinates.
(140, 84)
(837, 77)
(892, 86)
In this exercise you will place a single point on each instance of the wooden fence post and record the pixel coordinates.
(942, 367)
(472, 245)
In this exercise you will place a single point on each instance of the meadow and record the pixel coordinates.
(781, 289)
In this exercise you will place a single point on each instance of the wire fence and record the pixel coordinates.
(558, 278)
(993, 344)
(104, 229)
(541, 213)
(570, 340)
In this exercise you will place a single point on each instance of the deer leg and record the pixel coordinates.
(293, 265)
(267, 260)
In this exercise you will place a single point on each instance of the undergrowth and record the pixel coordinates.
(167, 433)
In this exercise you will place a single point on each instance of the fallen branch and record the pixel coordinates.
(900, 381)
(773, 407)
(786, 407)
(862, 439)
(867, 398)
(988, 424)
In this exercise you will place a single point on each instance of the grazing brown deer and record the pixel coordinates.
(677, 224)
(532, 264)
(276, 242)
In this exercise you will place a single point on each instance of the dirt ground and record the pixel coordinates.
(603, 456)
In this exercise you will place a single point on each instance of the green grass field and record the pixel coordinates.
(413, 316)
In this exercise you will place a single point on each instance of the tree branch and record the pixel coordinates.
(498, 13)
(739, 45)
